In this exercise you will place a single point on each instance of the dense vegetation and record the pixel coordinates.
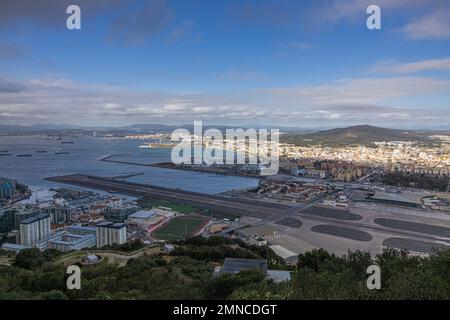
(420, 181)
(358, 135)
(187, 274)
(129, 246)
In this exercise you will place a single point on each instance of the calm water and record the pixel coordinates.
(83, 158)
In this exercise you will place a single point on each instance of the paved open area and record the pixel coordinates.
(414, 226)
(332, 213)
(411, 245)
(342, 232)
(290, 222)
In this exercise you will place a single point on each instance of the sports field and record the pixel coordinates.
(179, 228)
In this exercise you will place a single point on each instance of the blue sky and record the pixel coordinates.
(296, 63)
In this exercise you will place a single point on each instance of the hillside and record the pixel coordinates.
(187, 273)
(358, 135)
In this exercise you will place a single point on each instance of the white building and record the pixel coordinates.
(35, 230)
(111, 233)
(73, 238)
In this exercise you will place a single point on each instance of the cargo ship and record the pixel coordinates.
(41, 151)
(67, 142)
(61, 152)
(24, 155)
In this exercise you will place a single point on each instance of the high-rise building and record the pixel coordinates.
(35, 230)
(58, 214)
(119, 213)
(24, 212)
(102, 234)
(7, 188)
(111, 233)
(7, 220)
(118, 233)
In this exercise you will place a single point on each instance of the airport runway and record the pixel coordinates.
(347, 225)
(249, 207)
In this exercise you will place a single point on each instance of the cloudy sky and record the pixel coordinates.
(288, 63)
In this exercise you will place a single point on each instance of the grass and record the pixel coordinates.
(221, 215)
(148, 203)
(179, 228)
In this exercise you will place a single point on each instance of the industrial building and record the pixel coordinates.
(401, 199)
(149, 218)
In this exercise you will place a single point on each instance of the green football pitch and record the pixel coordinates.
(179, 228)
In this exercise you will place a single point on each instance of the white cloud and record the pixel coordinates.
(363, 90)
(412, 67)
(435, 25)
(348, 100)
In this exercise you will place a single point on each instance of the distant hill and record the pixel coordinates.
(65, 129)
(358, 135)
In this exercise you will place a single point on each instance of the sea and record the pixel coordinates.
(83, 157)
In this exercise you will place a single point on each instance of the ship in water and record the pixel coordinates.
(41, 151)
(24, 155)
(61, 152)
(67, 142)
(4, 154)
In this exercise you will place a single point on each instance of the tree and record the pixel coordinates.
(29, 259)
(53, 295)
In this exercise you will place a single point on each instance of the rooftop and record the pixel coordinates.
(40, 216)
(142, 214)
(118, 225)
(279, 275)
(412, 198)
(233, 265)
(282, 251)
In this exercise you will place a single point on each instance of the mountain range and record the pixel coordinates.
(354, 135)
(361, 135)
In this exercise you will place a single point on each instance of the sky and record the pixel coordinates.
(249, 62)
